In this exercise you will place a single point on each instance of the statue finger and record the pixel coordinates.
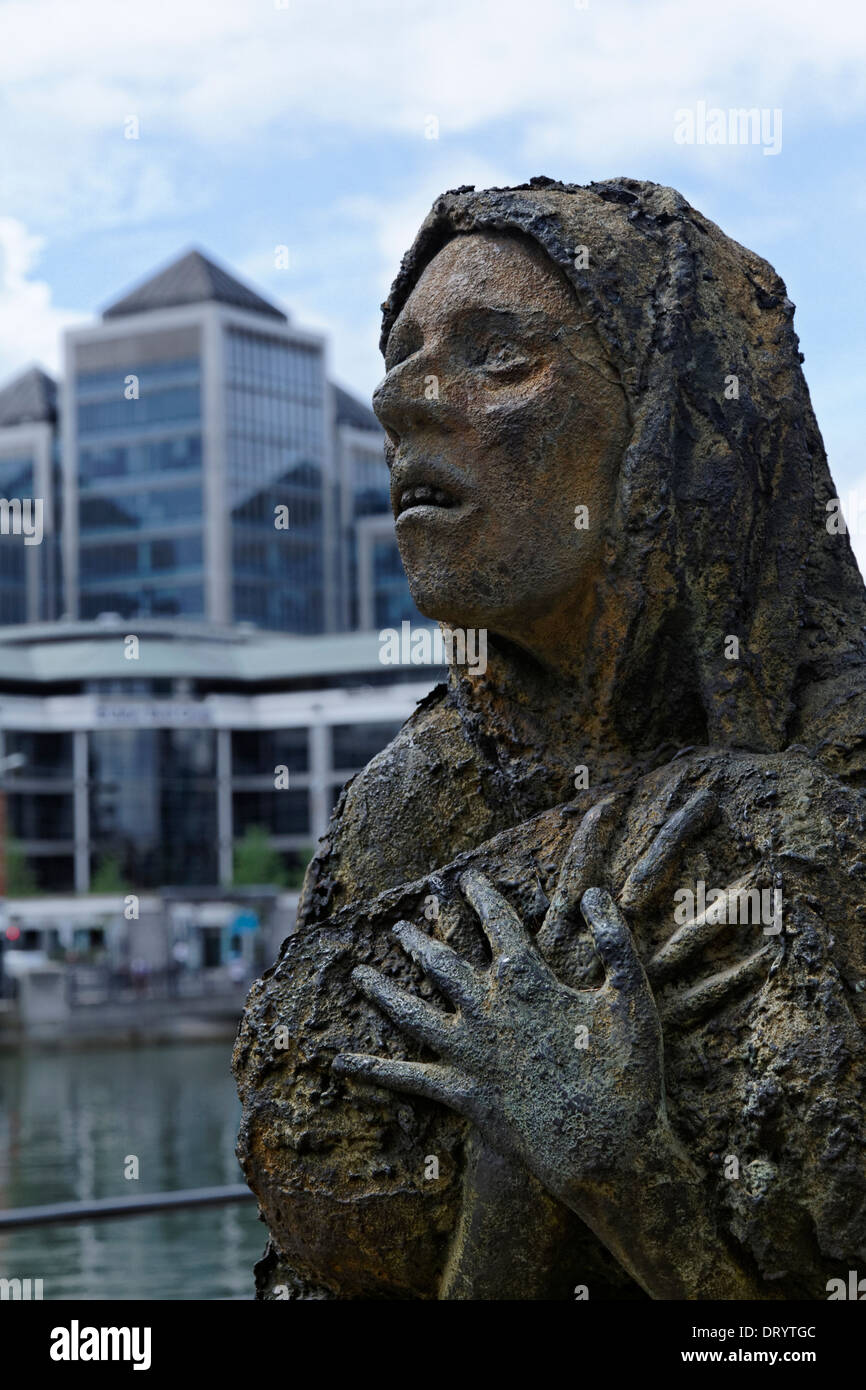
(712, 994)
(427, 1079)
(684, 947)
(615, 946)
(412, 1015)
(582, 866)
(503, 927)
(651, 873)
(454, 976)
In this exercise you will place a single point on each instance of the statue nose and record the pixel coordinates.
(407, 400)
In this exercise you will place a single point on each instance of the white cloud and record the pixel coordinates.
(600, 82)
(30, 324)
(317, 288)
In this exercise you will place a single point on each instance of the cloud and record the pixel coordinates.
(599, 82)
(354, 236)
(30, 324)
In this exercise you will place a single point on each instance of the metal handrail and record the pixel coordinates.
(55, 1213)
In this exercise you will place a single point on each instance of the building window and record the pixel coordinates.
(279, 812)
(256, 752)
(49, 755)
(355, 744)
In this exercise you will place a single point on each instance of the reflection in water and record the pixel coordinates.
(68, 1123)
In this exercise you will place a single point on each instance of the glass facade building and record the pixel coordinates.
(30, 500)
(276, 459)
(374, 591)
(209, 471)
(200, 476)
(139, 484)
(198, 459)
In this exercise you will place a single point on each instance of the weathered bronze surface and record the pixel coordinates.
(547, 1080)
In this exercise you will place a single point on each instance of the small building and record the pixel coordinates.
(148, 750)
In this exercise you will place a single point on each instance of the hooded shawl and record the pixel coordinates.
(722, 519)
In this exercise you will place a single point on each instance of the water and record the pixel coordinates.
(69, 1121)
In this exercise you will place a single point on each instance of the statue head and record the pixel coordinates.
(506, 427)
(553, 348)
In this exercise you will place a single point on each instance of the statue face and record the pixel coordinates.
(502, 417)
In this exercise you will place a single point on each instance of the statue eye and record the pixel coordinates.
(501, 357)
(403, 342)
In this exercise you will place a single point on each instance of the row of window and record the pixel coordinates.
(258, 416)
(113, 380)
(258, 508)
(145, 601)
(180, 453)
(280, 555)
(151, 408)
(116, 753)
(271, 362)
(278, 609)
(130, 511)
(152, 798)
(39, 816)
(145, 557)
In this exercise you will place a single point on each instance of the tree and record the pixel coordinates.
(20, 880)
(255, 863)
(108, 876)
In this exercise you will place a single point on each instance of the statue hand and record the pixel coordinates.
(649, 885)
(578, 1118)
(567, 1081)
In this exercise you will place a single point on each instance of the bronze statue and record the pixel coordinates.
(576, 1000)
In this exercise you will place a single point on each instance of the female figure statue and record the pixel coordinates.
(577, 994)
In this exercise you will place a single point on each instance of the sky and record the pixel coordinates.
(329, 127)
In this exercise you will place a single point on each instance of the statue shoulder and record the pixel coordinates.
(413, 807)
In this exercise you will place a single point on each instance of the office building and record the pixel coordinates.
(193, 419)
(159, 756)
(196, 462)
(197, 458)
(30, 498)
(373, 586)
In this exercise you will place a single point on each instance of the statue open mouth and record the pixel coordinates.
(425, 497)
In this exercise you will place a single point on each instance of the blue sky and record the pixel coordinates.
(306, 123)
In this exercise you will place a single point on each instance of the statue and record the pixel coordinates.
(576, 999)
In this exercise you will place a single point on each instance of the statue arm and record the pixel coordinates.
(566, 1083)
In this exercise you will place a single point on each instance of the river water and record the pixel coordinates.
(70, 1121)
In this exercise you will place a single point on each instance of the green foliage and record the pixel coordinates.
(108, 877)
(20, 881)
(255, 863)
